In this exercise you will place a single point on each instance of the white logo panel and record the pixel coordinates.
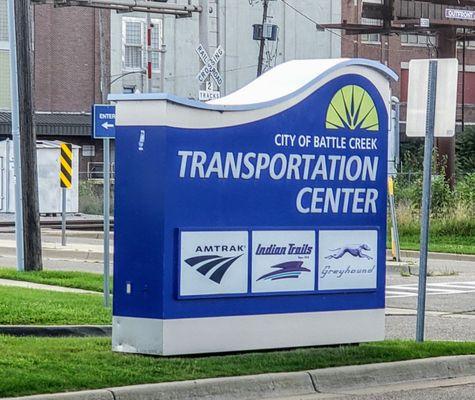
(283, 261)
(213, 262)
(347, 259)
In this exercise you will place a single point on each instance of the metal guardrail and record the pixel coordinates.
(95, 170)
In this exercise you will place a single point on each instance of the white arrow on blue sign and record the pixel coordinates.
(103, 121)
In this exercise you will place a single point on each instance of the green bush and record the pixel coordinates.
(91, 197)
(411, 194)
(465, 151)
(465, 191)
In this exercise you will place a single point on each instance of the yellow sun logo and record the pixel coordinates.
(352, 108)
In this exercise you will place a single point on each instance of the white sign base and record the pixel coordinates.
(252, 332)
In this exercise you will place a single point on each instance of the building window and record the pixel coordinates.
(88, 150)
(3, 25)
(412, 39)
(133, 43)
(371, 37)
(134, 33)
(469, 44)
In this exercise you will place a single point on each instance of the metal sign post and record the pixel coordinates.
(106, 143)
(63, 217)
(104, 128)
(16, 139)
(65, 181)
(431, 109)
(426, 189)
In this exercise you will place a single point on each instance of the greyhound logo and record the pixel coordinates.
(353, 250)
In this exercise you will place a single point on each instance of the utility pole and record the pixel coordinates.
(29, 172)
(447, 42)
(203, 26)
(263, 40)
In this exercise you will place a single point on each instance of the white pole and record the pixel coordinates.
(20, 261)
(163, 49)
(149, 53)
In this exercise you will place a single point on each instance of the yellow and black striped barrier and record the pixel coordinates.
(66, 164)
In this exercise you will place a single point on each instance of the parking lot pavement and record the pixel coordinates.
(450, 302)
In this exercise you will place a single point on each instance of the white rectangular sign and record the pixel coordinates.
(445, 101)
(347, 259)
(460, 14)
(283, 261)
(213, 262)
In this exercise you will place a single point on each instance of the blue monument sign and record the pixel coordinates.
(257, 220)
(103, 122)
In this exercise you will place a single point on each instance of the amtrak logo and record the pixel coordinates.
(285, 270)
(355, 251)
(352, 108)
(212, 266)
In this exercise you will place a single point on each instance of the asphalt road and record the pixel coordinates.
(450, 301)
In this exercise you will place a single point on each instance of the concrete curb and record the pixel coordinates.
(435, 256)
(285, 384)
(57, 330)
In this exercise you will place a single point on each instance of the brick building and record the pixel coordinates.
(396, 51)
(67, 60)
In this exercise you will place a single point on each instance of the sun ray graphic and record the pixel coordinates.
(352, 108)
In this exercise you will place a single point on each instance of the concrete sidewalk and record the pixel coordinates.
(319, 383)
(72, 251)
(41, 286)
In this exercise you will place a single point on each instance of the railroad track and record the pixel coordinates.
(71, 224)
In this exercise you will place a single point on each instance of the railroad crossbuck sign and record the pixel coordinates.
(210, 65)
(228, 198)
(66, 166)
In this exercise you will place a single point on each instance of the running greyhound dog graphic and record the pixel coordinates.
(354, 250)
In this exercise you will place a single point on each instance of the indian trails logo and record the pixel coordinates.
(285, 270)
(290, 249)
(352, 108)
(213, 266)
(288, 269)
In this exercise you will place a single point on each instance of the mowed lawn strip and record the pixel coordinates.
(46, 365)
(79, 280)
(19, 306)
(438, 244)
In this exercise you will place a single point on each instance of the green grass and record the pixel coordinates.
(440, 244)
(20, 306)
(46, 365)
(80, 280)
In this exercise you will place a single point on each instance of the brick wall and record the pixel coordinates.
(400, 54)
(67, 55)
